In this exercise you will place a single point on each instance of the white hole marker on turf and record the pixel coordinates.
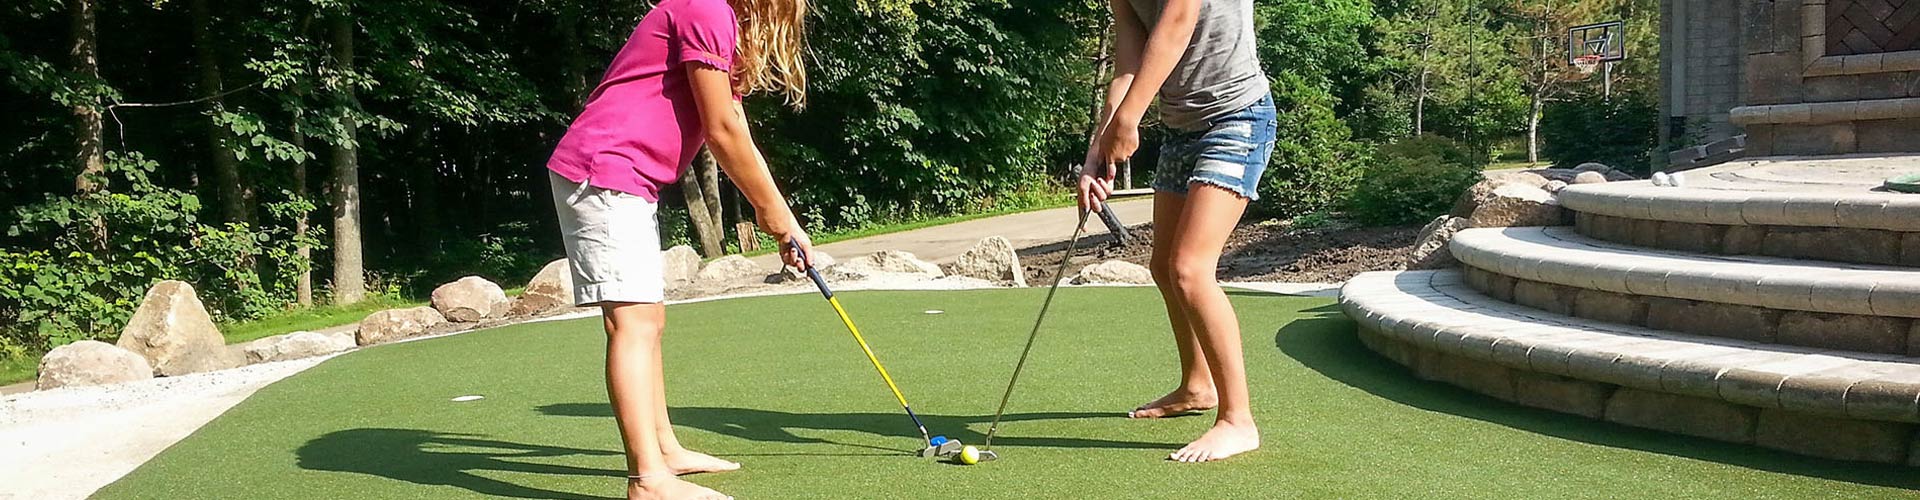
(463, 399)
(935, 311)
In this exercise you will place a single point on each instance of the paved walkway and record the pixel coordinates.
(942, 244)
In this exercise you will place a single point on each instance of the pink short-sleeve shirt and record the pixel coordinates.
(640, 127)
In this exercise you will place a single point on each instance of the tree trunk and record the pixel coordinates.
(89, 148)
(701, 187)
(579, 71)
(303, 284)
(236, 197)
(349, 275)
(1420, 106)
(1533, 127)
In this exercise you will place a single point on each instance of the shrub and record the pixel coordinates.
(1620, 132)
(1413, 180)
(1315, 162)
(64, 284)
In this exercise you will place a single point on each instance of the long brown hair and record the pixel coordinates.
(772, 48)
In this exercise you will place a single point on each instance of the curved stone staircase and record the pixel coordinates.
(1767, 302)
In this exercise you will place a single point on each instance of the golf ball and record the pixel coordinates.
(969, 455)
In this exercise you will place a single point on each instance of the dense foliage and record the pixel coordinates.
(1413, 180)
(229, 143)
(1619, 132)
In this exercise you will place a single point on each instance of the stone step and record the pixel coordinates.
(1561, 256)
(1841, 192)
(1820, 402)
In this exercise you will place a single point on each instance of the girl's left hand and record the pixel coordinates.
(793, 245)
(1117, 144)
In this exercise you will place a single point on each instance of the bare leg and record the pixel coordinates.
(633, 346)
(679, 459)
(1195, 392)
(1205, 224)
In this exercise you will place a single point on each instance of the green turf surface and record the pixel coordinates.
(777, 384)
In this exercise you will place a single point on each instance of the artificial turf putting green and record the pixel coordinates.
(776, 383)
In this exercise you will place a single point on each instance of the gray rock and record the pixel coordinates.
(1617, 176)
(297, 345)
(682, 266)
(992, 259)
(396, 324)
(1590, 178)
(1516, 205)
(549, 290)
(1114, 271)
(1553, 174)
(173, 331)
(888, 263)
(1482, 191)
(91, 362)
(821, 260)
(1555, 186)
(1430, 250)
(1593, 167)
(470, 299)
(728, 270)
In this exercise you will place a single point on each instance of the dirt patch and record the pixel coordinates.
(1267, 251)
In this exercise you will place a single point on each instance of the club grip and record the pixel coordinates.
(814, 274)
(1113, 224)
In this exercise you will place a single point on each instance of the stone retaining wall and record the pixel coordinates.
(1822, 436)
(1847, 332)
(1859, 246)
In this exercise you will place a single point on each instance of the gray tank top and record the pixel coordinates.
(1220, 73)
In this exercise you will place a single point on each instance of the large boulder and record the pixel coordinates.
(470, 299)
(887, 264)
(1590, 178)
(1114, 271)
(728, 270)
(682, 266)
(173, 331)
(1430, 250)
(549, 290)
(992, 259)
(1482, 191)
(91, 362)
(297, 345)
(396, 324)
(1515, 205)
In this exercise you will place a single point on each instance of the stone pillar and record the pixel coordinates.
(1829, 77)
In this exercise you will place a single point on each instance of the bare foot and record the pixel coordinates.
(1178, 402)
(685, 462)
(1222, 441)
(669, 488)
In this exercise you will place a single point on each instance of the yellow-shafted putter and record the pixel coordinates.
(936, 445)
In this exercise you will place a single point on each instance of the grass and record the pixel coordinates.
(785, 392)
(17, 369)
(1519, 164)
(825, 237)
(312, 318)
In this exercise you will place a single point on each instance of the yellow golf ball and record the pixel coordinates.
(969, 455)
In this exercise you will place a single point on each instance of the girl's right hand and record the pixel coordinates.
(1094, 187)
(790, 237)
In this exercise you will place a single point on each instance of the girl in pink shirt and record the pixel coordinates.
(675, 86)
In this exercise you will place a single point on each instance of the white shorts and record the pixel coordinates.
(613, 244)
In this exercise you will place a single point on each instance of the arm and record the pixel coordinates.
(732, 144)
(1144, 57)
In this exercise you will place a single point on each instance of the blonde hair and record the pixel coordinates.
(772, 48)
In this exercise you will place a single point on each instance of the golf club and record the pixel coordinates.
(986, 452)
(943, 446)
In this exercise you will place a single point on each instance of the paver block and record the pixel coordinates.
(1846, 332)
(1546, 297)
(1701, 376)
(1392, 349)
(1478, 376)
(1759, 384)
(1714, 319)
(1744, 240)
(1610, 307)
(1897, 296)
(1682, 415)
(1910, 249)
(1825, 392)
(1562, 394)
(1836, 438)
(1692, 237)
(1840, 296)
(1894, 396)
(1821, 243)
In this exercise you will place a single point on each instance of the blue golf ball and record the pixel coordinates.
(938, 440)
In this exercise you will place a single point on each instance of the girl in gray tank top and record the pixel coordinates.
(1198, 59)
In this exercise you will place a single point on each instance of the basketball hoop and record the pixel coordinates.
(1587, 64)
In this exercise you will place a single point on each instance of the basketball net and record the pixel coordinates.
(1587, 64)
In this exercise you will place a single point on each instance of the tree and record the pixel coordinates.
(1435, 46)
(89, 146)
(236, 198)
(1537, 30)
(701, 187)
(349, 274)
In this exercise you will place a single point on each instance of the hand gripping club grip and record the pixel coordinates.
(814, 274)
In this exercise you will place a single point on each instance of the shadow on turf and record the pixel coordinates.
(1326, 344)
(430, 458)
(774, 426)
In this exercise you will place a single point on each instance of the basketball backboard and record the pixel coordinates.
(1607, 40)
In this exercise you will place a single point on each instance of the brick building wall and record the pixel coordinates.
(1702, 62)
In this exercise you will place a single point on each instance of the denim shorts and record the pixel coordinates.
(1231, 153)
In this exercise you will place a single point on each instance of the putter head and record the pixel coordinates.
(945, 449)
(988, 456)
